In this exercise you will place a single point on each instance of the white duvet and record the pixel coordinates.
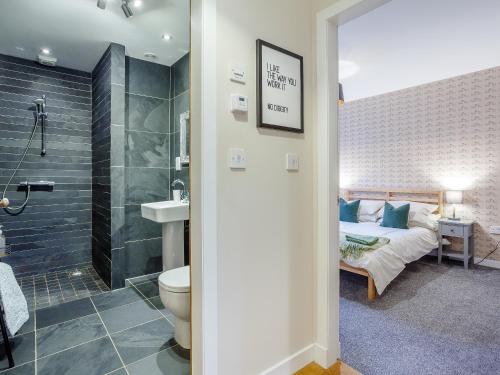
(385, 263)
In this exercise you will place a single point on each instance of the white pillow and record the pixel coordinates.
(429, 221)
(368, 218)
(370, 207)
(415, 207)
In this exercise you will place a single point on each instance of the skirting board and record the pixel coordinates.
(293, 363)
(488, 262)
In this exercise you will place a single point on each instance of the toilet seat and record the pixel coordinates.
(176, 280)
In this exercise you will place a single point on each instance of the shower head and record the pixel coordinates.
(126, 9)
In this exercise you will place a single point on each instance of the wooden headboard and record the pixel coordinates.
(423, 196)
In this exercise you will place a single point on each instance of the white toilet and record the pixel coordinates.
(175, 294)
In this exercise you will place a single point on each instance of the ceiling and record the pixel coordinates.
(78, 32)
(405, 43)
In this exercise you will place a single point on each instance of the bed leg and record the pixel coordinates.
(372, 292)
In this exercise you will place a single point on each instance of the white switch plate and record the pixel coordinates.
(238, 74)
(292, 162)
(495, 229)
(237, 158)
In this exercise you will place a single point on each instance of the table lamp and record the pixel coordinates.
(454, 197)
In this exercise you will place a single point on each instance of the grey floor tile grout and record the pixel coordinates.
(118, 369)
(70, 347)
(36, 345)
(138, 325)
(109, 336)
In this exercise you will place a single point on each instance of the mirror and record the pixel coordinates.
(184, 137)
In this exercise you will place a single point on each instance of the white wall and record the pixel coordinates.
(406, 43)
(264, 214)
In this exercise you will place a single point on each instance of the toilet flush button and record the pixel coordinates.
(237, 158)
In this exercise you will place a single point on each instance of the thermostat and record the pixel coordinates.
(239, 103)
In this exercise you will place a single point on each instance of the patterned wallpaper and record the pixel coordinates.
(441, 135)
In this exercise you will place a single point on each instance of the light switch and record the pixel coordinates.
(292, 162)
(237, 158)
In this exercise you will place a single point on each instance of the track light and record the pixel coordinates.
(126, 9)
(101, 4)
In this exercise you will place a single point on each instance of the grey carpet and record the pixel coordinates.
(430, 320)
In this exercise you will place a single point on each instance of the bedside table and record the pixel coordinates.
(458, 229)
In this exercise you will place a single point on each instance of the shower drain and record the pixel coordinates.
(76, 273)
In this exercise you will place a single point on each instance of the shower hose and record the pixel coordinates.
(17, 210)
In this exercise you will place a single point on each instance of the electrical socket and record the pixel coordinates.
(495, 229)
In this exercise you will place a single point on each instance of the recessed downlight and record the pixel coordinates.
(45, 51)
(150, 55)
(137, 3)
(166, 37)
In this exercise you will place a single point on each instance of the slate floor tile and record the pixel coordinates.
(156, 302)
(68, 334)
(149, 288)
(23, 350)
(26, 369)
(64, 312)
(120, 371)
(169, 361)
(139, 342)
(128, 316)
(93, 358)
(116, 298)
(29, 326)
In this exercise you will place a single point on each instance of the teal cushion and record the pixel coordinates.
(396, 217)
(349, 211)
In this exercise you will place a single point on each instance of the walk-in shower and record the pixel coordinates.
(40, 120)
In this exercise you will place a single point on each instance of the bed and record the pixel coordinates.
(381, 266)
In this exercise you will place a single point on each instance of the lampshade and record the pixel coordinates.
(341, 94)
(454, 196)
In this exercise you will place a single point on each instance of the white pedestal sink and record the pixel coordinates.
(171, 214)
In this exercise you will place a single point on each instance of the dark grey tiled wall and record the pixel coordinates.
(179, 103)
(108, 79)
(147, 163)
(54, 230)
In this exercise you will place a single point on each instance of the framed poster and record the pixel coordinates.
(280, 88)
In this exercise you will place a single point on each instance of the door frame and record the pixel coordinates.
(327, 177)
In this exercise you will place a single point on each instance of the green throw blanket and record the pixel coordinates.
(353, 246)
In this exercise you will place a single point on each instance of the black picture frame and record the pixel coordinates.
(260, 123)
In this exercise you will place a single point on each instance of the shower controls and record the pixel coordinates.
(37, 185)
(40, 118)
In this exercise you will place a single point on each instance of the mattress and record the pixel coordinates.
(385, 263)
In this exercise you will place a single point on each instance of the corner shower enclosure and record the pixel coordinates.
(112, 136)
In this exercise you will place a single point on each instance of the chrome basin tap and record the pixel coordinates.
(184, 194)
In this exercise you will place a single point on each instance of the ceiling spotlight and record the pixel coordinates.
(166, 36)
(137, 3)
(45, 51)
(126, 9)
(101, 4)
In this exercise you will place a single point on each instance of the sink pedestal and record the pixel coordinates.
(171, 214)
(173, 245)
